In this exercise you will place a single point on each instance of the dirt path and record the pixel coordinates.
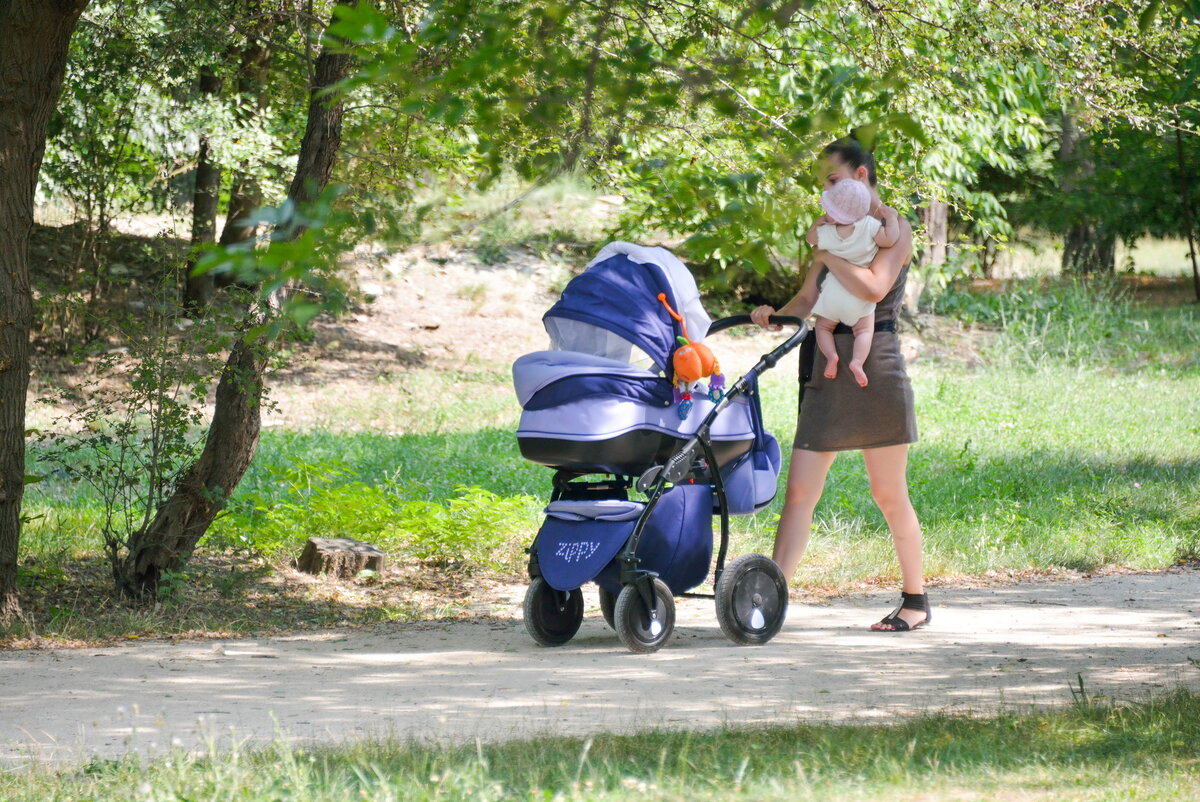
(1128, 636)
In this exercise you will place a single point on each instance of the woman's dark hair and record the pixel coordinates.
(852, 153)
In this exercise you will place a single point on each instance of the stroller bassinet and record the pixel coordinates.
(604, 400)
(601, 400)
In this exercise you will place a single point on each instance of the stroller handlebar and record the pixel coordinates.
(744, 320)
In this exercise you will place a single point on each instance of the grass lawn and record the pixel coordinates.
(1068, 442)
(1146, 751)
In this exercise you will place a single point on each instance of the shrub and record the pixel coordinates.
(476, 529)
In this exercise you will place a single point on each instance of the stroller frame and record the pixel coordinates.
(643, 613)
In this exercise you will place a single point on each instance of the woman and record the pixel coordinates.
(838, 415)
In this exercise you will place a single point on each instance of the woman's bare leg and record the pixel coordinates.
(823, 329)
(864, 334)
(887, 470)
(805, 481)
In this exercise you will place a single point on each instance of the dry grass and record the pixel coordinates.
(227, 594)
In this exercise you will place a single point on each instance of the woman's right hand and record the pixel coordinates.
(762, 316)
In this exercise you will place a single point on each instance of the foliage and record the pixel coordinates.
(474, 530)
(294, 272)
(1040, 457)
(132, 425)
(113, 141)
(705, 116)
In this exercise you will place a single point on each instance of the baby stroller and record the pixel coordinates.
(613, 410)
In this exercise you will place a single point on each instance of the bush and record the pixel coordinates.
(475, 530)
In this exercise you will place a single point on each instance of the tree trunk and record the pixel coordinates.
(245, 194)
(343, 557)
(936, 217)
(1088, 250)
(171, 537)
(34, 36)
(1185, 197)
(167, 542)
(1087, 247)
(323, 134)
(198, 290)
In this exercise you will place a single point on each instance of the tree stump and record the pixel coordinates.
(340, 556)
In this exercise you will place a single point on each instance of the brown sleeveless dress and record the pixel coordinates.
(838, 415)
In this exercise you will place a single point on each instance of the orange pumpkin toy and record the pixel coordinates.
(691, 363)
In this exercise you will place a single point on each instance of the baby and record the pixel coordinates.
(848, 231)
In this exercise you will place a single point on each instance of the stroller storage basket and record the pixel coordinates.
(580, 540)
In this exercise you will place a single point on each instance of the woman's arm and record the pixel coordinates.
(872, 284)
(801, 303)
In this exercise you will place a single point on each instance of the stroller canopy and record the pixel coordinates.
(613, 305)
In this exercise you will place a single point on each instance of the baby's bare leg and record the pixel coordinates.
(823, 327)
(864, 333)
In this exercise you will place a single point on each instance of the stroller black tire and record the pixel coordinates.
(640, 629)
(552, 617)
(752, 600)
(608, 608)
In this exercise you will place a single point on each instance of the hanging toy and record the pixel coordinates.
(716, 387)
(684, 402)
(692, 362)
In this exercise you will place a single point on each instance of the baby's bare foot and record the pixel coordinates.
(831, 368)
(857, 372)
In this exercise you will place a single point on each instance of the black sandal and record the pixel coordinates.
(908, 601)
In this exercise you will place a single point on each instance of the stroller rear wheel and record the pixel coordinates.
(639, 627)
(608, 608)
(752, 599)
(552, 617)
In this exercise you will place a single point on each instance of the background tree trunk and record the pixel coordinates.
(171, 537)
(245, 194)
(34, 35)
(1088, 250)
(936, 217)
(323, 133)
(1185, 197)
(198, 290)
(1087, 247)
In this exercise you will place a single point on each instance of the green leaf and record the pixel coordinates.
(1148, 15)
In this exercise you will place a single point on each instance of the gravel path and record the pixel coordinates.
(1127, 635)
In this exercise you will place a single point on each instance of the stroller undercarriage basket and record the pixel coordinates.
(588, 409)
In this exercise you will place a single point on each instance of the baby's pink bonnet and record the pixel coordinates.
(846, 202)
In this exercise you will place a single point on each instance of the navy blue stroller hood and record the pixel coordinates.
(618, 296)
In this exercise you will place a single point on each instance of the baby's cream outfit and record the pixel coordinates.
(835, 301)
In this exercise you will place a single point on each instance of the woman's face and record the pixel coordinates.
(833, 169)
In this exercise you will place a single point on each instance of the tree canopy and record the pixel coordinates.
(313, 126)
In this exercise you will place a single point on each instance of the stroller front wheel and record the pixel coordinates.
(752, 599)
(640, 628)
(552, 617)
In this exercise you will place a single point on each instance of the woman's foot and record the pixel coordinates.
(831, 367)
(856, 370)
(912, 613)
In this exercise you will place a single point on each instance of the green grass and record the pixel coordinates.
(1145, 751)
(1073, 446)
